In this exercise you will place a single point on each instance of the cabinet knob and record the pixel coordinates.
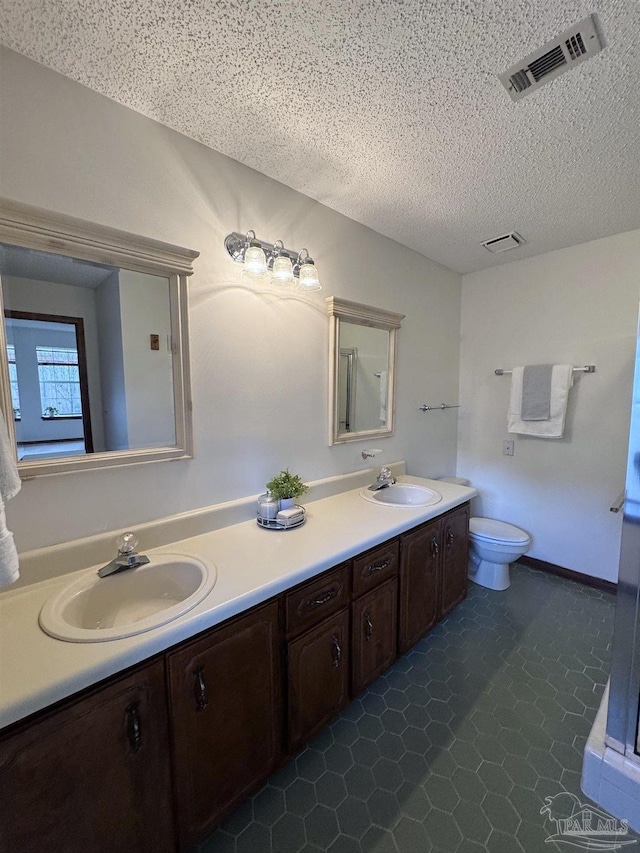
(336, 651)
(133, 726)
(450, 538)
(435, 548)
(200, 689)
(368, 626)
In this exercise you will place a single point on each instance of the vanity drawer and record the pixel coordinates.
(315, 600)
(376, 566)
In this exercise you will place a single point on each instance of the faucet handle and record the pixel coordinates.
(385, 472)
(126, 543)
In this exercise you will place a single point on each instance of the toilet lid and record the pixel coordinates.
(497, 531)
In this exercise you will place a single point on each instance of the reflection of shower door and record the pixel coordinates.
(347, 388)
(624, 692)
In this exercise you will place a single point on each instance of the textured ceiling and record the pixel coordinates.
(389, 111)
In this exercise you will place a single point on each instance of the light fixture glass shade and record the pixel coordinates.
(255, 262)
(282, 271)
(309, 276)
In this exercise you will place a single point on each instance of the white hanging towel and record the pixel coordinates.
(553, 426)
(9, 487)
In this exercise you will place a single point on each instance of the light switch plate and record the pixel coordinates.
(508, 447)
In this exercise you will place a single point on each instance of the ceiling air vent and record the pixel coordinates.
(554, 58)
(504, 243)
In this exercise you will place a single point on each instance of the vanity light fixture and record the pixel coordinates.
(307, 272)
(255, 260)
(281, 266)
(284, 267)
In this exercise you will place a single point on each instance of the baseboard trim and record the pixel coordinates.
(569, 574)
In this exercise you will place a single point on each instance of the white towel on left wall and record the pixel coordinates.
(553, 426)
(9, 487)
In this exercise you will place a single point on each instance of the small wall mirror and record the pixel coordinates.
(362, 351)
(94, 344)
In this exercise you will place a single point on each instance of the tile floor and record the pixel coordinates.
(457, 746)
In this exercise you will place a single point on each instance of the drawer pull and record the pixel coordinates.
(323, 598)
(134, 729)
(368, 626)
(378, 567)
(450, 538)
(336, 651)
(435, 548)
(200, 689)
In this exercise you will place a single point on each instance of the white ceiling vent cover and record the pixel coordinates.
(504, 243)
(555, 57)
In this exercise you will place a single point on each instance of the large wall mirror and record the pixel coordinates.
(362, 357)
(94, 344)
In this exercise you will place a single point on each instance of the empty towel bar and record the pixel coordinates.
(588, 368)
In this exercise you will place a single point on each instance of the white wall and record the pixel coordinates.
(580, 306)
(259, 360)
(110, 349)
(148, 374)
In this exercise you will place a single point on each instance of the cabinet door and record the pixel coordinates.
(318, 677)
(225, 717)
(455, 545)
(93, 775)
(373, 634)
(419, 583)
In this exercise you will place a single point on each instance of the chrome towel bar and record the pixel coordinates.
(588, 368)
(425, 408)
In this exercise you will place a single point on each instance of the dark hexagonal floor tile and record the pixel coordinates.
(353, 818)
(384, 809)
(472, 822)
(456, 747)
(359, 782)
(321, 826)
(441, 792)
(330, 789)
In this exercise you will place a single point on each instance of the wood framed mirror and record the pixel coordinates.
(94, 348)
(362, 365)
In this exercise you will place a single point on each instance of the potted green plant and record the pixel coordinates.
(286, 487)
(50, 412)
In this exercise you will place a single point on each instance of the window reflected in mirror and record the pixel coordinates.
(89, 353)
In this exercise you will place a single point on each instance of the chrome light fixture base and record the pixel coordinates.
(237, 244)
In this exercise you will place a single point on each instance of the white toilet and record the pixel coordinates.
(493, 546)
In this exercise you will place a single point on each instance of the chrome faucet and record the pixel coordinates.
(128, 557)
(385, 478)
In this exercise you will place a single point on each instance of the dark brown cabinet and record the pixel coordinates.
(433, 573)
(91, 775)
(455, 547)
(226, 719)
(373, 632)
(94, 774)
(419, 583)
(318, 677)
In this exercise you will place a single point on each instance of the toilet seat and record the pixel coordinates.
(491, 530)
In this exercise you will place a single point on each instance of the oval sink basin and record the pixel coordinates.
(94, 609)
(403, 494)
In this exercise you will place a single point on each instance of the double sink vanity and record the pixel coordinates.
(148, 741)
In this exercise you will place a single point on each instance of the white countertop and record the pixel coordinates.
(253, 565)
